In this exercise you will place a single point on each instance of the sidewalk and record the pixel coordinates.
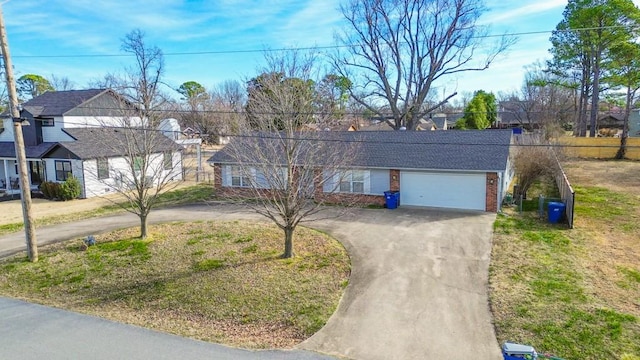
(29, 331)
(14, 243)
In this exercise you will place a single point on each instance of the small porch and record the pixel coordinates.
(10, 181)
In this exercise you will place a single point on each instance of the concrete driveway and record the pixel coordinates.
(418, 287)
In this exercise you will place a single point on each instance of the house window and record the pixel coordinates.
(63, 170)
(168, 161)
(137, 164)
(47, 122)
(238, 178)
(352, 181)
(103, 168)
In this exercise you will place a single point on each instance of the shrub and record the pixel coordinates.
(70, 189)
(50, 190)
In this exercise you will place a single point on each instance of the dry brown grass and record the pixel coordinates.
(619, 176)
(214, 281)
(611, 244)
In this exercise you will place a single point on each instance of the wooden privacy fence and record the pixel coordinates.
(599, 148)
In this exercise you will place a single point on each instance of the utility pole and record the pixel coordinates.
(21, 157)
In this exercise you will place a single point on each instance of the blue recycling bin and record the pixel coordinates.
(556, 211)
(392, 199)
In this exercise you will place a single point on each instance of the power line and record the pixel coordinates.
(520, 115)
(322, 138)
(305, 48)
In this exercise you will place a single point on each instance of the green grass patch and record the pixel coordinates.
(11, 228)
(187, 195)
(603, 204)
(209, 264)
(217, 289)
(631, 275)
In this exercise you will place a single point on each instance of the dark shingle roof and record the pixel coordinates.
(57, 103)
(471, 150)
(8, 150)
(93, 143)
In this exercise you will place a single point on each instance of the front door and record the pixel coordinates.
(37, 170)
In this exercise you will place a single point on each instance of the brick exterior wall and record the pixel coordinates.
(217, 177)
(351, 199)
(492, 192)
(394, 180)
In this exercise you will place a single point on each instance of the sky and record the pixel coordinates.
(46, 37)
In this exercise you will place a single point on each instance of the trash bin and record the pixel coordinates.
(511, 351)
(392, 199)
(556, 210)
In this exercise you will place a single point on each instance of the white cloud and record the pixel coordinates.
(504, 13)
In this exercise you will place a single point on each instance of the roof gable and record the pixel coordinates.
(94, 143)
(56, 103)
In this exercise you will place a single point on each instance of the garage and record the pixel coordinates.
(447, 190)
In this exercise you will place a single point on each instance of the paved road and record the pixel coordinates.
(29, 331)
(418, 286)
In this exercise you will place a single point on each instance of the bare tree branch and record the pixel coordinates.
(276, 170)
(399, 48)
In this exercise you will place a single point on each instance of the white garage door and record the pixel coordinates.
(447, 190)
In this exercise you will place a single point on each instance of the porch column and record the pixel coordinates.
(29, 173)
(7, 184)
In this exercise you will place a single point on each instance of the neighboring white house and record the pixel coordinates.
(170, 128)
(75, 133)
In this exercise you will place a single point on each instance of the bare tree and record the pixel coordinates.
(217, 112)
(139, 161)
(533, 158)
(545, 101)
(281, 170)
(230, 94)
(399, 48)
(61, 83)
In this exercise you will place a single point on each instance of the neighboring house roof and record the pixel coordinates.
(8, 150)
(377, 126)
(427, 125)
(470, 150)
(57, 103)
(93, 143)
(614, 119)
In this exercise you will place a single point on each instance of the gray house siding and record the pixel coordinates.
(379, 181)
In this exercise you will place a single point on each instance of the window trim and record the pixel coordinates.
(65, 174)
(167, 160)
(347, 177)
(47, 122)
(102, 171)
(243, 180)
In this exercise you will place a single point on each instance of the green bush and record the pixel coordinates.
(50, 190)
(70, 189)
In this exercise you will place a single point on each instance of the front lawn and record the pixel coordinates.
(193, 194)
(215, 281)
(574, 293)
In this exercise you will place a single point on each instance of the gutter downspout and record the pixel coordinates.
(500, 190)
(84, 181)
